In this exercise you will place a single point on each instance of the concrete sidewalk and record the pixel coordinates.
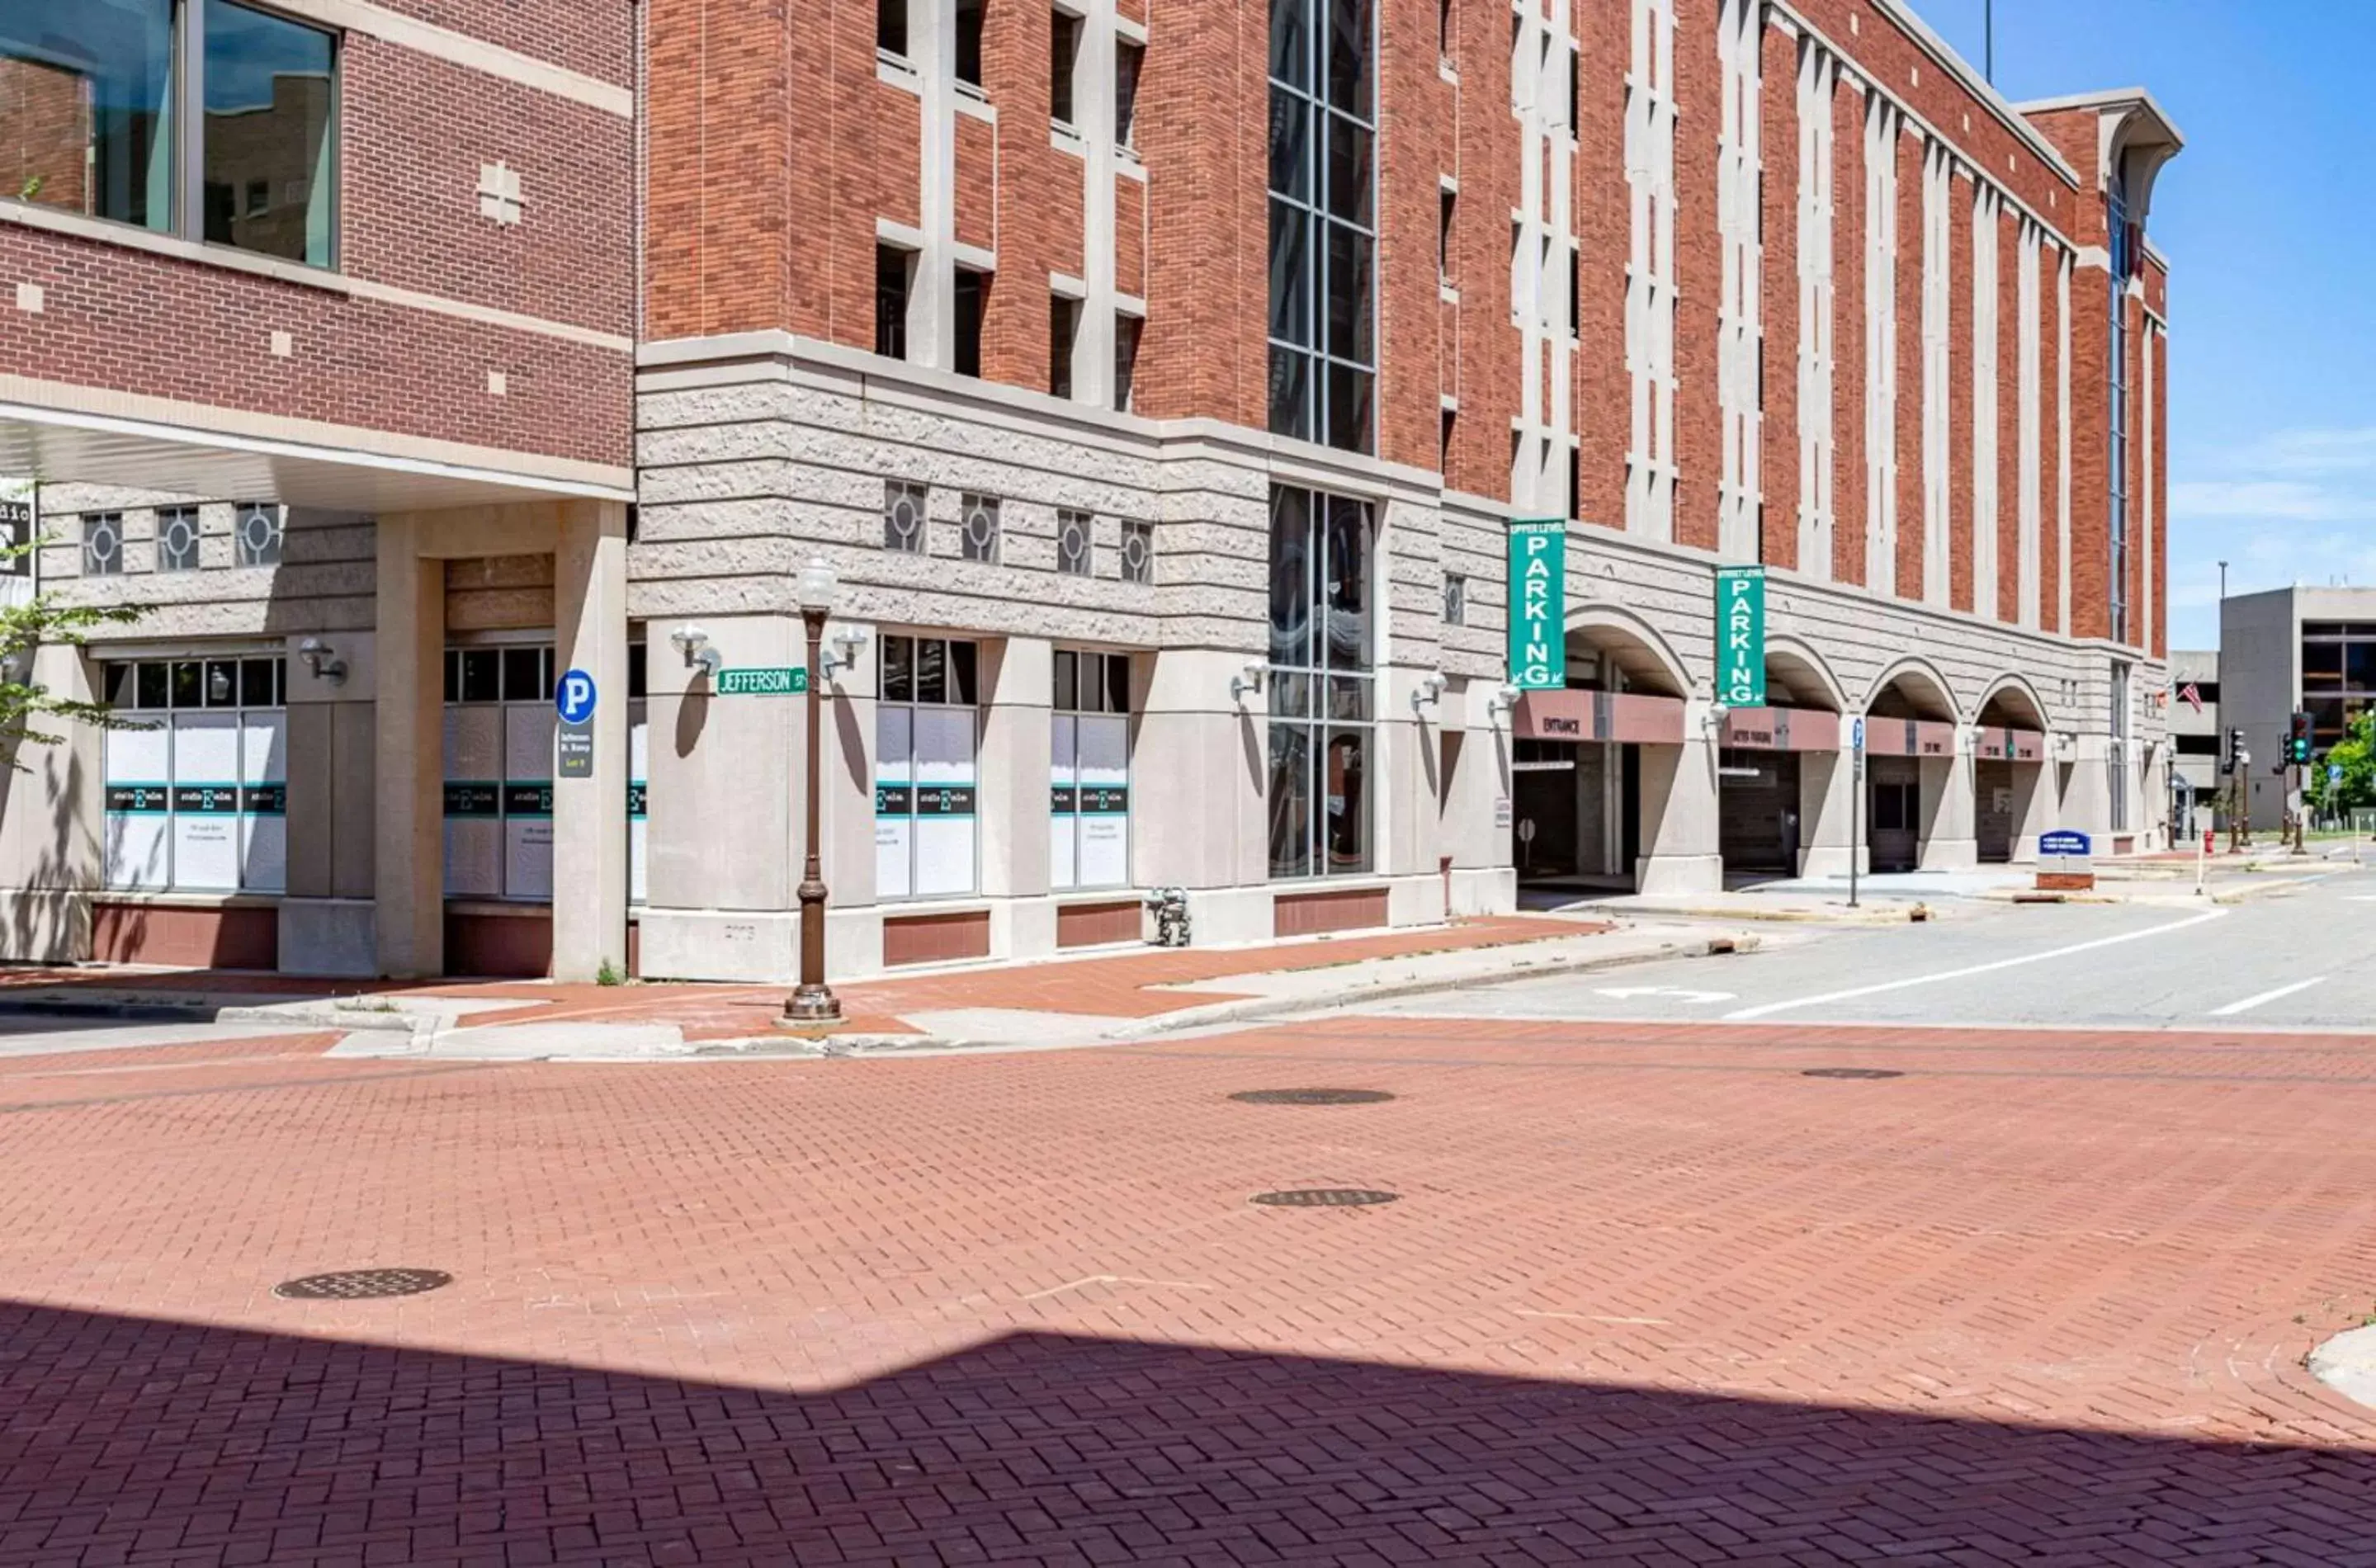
(1109, 996)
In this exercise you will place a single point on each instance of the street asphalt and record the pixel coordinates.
(2302, 956)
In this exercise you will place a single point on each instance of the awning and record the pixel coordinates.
(1599, 716)
(1782, 729)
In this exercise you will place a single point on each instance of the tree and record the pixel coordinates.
(2356, 755)
(24, 627)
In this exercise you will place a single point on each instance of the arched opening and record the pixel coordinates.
(1911, 761)
(2010, 798)
(1576, 759)
(1774, 768)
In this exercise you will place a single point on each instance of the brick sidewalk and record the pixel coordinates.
(1649, 1295)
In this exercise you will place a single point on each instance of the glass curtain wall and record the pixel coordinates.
(1323, 223)
(1322, 682)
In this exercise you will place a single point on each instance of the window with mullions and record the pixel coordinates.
(1322, 682)
(2123, 260)
(499, 738)
(926, 734)
(96, 110)
(198, 799)
(1323, 224)
(1088, 773)
(177, 538)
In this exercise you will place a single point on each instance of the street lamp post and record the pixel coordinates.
(813, 1002)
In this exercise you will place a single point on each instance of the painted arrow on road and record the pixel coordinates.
(1627, 993)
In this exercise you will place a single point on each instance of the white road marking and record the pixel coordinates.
(2249, 1002)
(1910, 980)
(1625, 993)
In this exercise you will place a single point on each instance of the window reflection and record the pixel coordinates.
(270, 99)
(86, 107)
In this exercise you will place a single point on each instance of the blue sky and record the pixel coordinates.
(2272, 411)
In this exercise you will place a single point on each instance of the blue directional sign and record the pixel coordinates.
(574, 697)
(2334, 774)
(1856, 733)
(2065, 841)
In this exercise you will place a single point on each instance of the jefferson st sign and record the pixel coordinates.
(1538, 605)
(1741, 636)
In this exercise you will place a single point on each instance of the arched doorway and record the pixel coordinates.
(2011, 798)
(1910, 764)
(1577, 756)
(1775, 767)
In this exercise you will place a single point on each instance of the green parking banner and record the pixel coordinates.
(1741, 636)
(1538, 604)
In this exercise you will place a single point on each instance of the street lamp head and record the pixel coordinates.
(818, 584)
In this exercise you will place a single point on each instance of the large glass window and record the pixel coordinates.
(2122, 264)
(499, 737)
(271, 98)
(197, 800)
(1089, 772)
(87, 107)
(1323, 229)
(926, 730)
(96, 105)
(1322, 701)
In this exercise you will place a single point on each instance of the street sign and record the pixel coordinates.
(1538, 604)
(781, 681)
(1741, 636)
(2334, 774)
(1856, 733)
(573, 698)
(2065, 841)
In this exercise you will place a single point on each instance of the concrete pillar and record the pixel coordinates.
(1681, 852)
(409, 840)
(1405, 786)
(1201, 774)
(51, 822)
(1830, 816)
(327, 921)
(2035, 808)
(1474, 745)
(1018, 682)
(1950, 839)
(589, 815)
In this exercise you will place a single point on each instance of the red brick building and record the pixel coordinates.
(1162, 384)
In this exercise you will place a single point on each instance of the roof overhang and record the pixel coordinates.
(75, 435)
(2133, 133)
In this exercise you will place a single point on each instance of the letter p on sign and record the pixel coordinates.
(574, 697)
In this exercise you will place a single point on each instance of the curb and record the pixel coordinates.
(1249, 1009)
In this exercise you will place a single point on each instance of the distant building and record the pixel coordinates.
(2297, 647)
(2195, 739)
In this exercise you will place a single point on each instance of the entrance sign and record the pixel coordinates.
(1741, 636)
(2065, 862)
(1538, 604)
(777, 683)
(573, 699)
(2066, 842)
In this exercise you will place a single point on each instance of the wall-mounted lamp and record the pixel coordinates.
(1249, 679)
(1429, 691)
(851, 641)
(1715, 716)
(1504, 700)
(693, 643)
(322, 661)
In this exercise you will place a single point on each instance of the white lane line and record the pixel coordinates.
(1910, 980)
(2249, 1002)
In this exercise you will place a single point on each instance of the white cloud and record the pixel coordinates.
(2292, 506)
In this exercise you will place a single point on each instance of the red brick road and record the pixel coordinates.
(1649, 1296)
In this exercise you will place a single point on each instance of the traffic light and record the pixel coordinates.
(2298, 741)
(2236, 757)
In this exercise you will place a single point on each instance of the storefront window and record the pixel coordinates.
(1088, 834)
(926, 730)
(499, 729)
(197, 800)
(1323, 708)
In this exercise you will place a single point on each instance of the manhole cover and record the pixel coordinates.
(1850, 1072)
(1324, 1197)
(1311, 1097)
(363, 1284)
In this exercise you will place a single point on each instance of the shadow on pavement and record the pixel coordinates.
(125, 1440)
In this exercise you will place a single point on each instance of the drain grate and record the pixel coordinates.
(1325, 1197)
(1311, 1097)
(1850, 1072)
(363, 1284)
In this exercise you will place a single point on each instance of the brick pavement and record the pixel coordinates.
(1649, 1295)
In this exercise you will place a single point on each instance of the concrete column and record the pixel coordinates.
(1201, 773)
(51, 822)
(589, 815)
(1474, 822)
(409, 838)
(327, 921)
(1018, 680)
(2035, 808)
(1950, 839)
(1406, 785)
(1829, 814)
(1681, 852)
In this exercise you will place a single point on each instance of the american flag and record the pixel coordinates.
(2189, 697)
